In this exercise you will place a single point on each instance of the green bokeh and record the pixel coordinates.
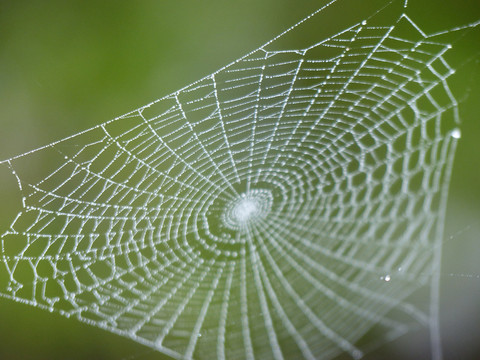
(68, 65)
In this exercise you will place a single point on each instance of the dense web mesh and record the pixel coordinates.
(282, 207)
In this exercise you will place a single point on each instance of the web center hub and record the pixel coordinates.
(248, 208)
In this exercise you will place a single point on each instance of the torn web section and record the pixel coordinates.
(86, 232)
(52, 242)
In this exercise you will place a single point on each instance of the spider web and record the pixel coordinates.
(285, 206)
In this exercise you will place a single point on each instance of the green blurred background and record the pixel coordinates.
(68, 65)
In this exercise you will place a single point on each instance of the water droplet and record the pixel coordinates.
(456, 133)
